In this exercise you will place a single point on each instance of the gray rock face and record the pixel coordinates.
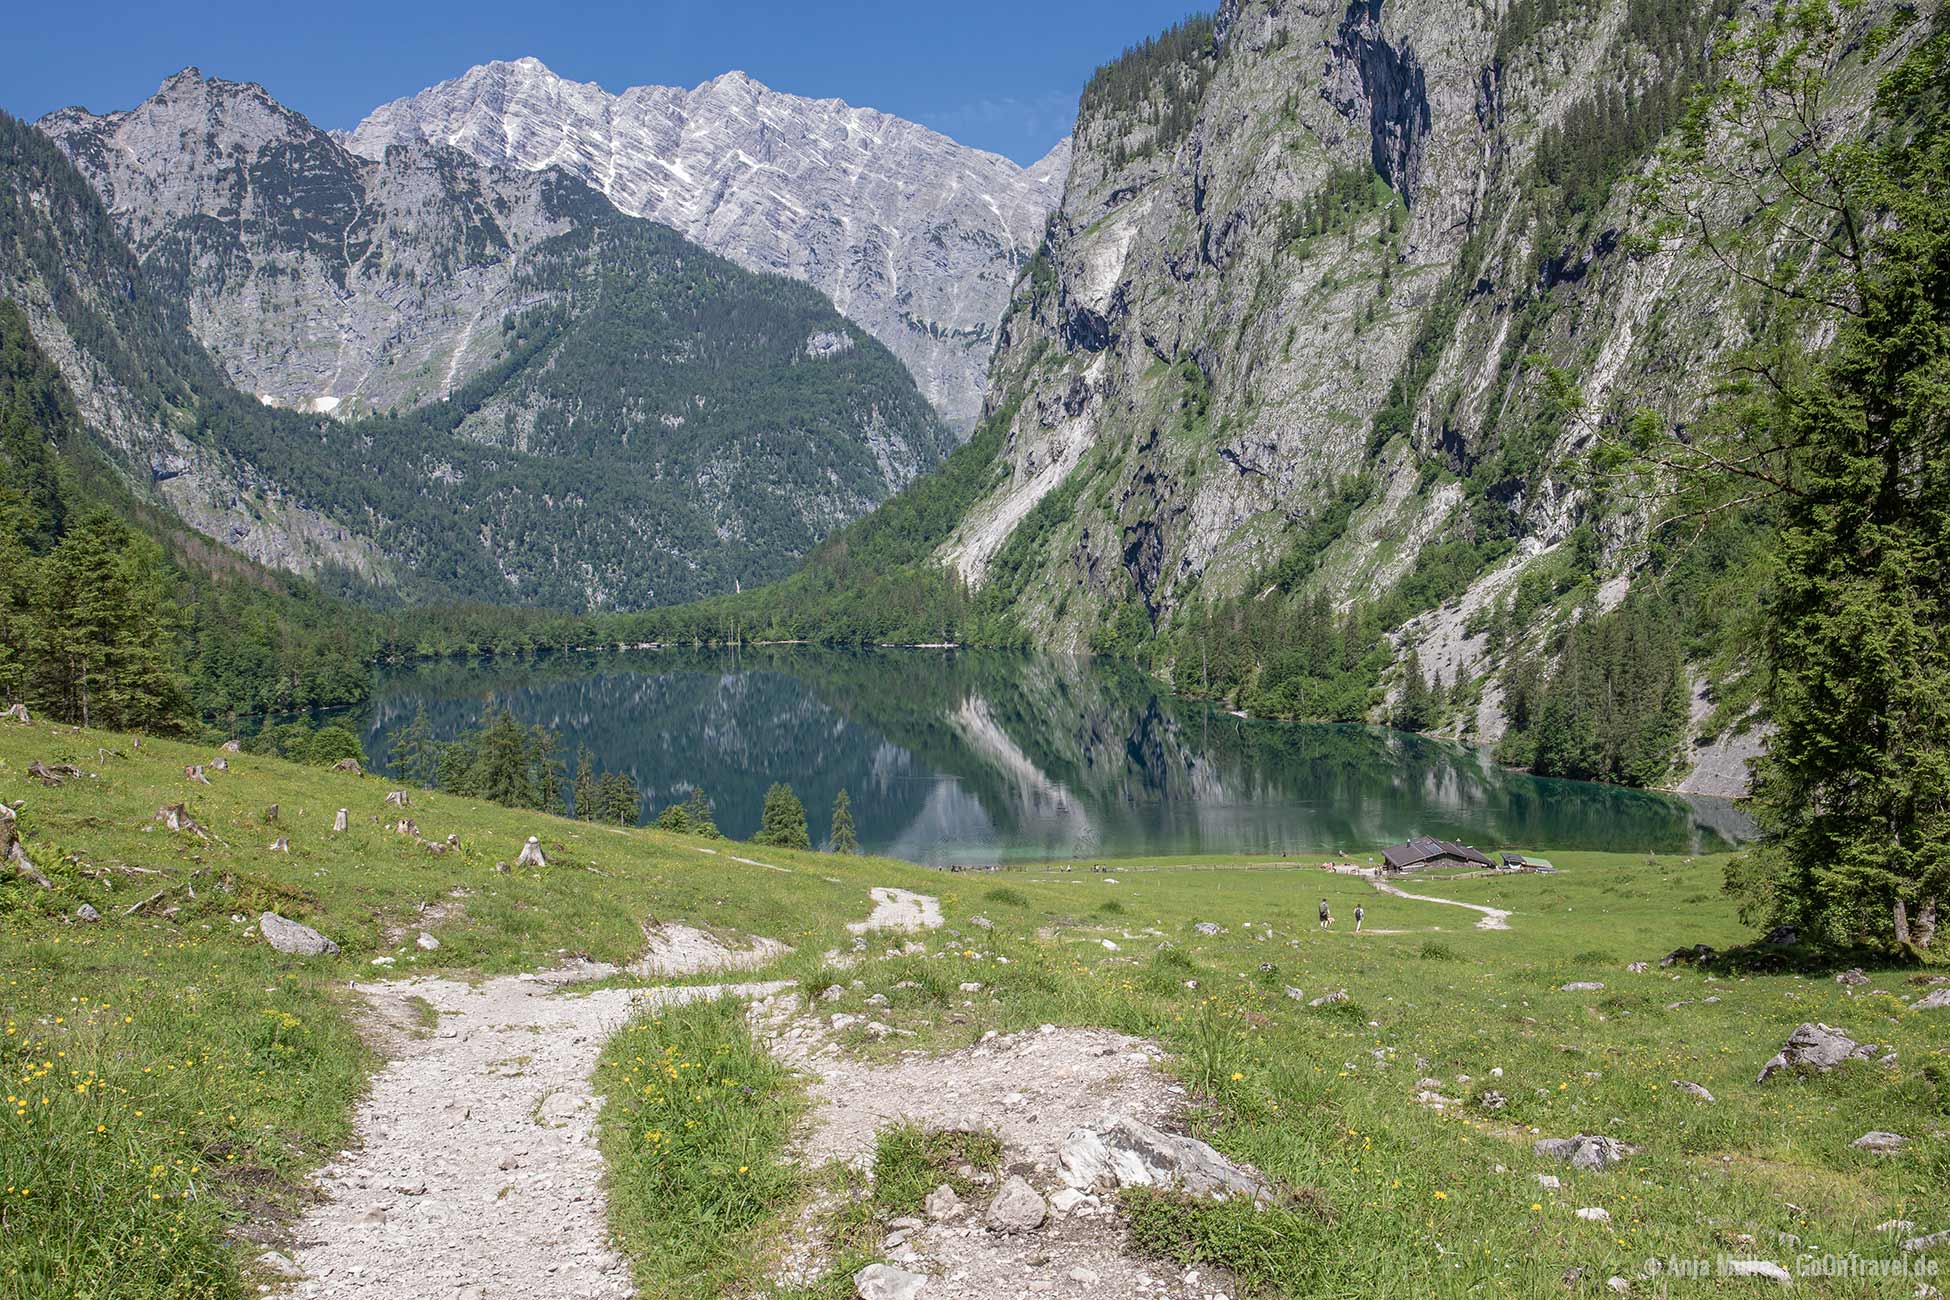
(1130, 1153)
(293, 939)
(915, 237)
(1814, 1047)
(1878, 1143)
(943, 1203)
(1937, 1001)
(319, 279)
(1693, 1090)
(1586, 1151)
(885, 1282)
(1018, 1207)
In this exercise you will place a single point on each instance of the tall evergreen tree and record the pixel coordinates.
(583, 796)
(1854, 449)
(1415, 709)
(843, 838)
(414, 754)
(783, 822)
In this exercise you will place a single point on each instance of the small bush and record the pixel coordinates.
(1436, 950)
(1007, 897)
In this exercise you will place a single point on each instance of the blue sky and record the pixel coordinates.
(1001, 75)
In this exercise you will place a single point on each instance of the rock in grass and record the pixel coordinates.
(1130, 1153)
(1329, 999)
(87, 913)
(1935, 1241)
(1594, 1214)
(1017, 1207)
(1692, 1089)
(1582, 986)
(885, 1282)
(1878, 1143)
(1937, 1001)
(1854, 979)
(293, 939)
(1814, 1047)
(427, 943)
(1766, 1268)
(1586, 1150)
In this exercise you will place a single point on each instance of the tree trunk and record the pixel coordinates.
(1902, 922)
(1926, 923)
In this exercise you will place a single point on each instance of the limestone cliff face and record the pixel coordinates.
(320, 280)
(914, 237)
(1336, 281)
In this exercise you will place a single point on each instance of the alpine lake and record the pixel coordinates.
(973, 758)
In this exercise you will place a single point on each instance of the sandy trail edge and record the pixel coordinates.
(1494, 918)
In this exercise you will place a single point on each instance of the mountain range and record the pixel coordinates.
(916, 238)
(554, 403)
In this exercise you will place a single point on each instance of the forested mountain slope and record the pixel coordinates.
(1306, 401)
(645, 421)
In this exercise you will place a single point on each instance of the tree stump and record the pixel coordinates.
(18, 713)
(177, 818)
(349, 765)
(271, 813)
(232, 747)
(406, 826)
(194, 772)
(220, 764)
(339, 822)
(531, 854)
(281, 845)
(397, 799)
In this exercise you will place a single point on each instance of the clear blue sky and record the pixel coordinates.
(1000, 74)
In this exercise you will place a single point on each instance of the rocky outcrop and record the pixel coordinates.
(915, 237)
(1307, 325)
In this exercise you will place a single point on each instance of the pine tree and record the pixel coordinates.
(1854, 450)
(842, 838)
(583, 794)
(414, 754)
(550, 774)
(618, 801)
(697, 809)
(1415, 709)
(783, 823)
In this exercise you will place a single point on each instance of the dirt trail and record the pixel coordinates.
(477, 1175)
(1494, 918)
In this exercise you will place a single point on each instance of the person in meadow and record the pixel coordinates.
(1326, 917)
(1359, 912)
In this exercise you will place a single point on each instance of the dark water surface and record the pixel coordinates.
(958, 757)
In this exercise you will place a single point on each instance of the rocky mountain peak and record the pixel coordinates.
(915, 237)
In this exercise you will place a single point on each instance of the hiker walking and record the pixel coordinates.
(1359, 912)
(1326, 917)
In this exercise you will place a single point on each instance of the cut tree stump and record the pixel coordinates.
(339, 822)
(397, 799)
(194, 772)
(177, 818)
(281, 845)
(348, 765)
(531, 854)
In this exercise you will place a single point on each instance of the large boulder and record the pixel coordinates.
(1130, 1153)
(287, 936)
(1814, 1047)
(1937, 1001)
(1586, 1151)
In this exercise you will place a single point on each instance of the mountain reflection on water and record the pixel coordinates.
(961, 757)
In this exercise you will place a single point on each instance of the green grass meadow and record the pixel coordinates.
(171, 1080)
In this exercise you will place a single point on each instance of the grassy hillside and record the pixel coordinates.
(171, 1079)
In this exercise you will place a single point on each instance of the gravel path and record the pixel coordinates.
(477, 1175)
(1494, 918)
